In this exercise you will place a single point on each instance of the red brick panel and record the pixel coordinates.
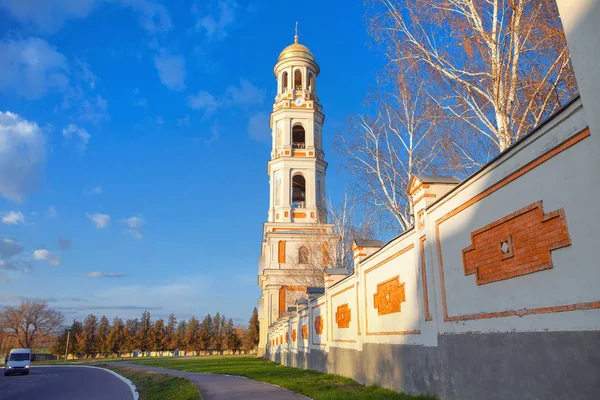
(294, 335)
(318, 325)
(343, 316)
(516, 245)
(389, 296)
(304, 331)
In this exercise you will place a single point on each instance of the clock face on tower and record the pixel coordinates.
(299, 101)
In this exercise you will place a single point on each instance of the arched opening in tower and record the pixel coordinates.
(298, 190)
(298, 80)
(311, 82)
(284, 82)
(298, 137)
(303, 255)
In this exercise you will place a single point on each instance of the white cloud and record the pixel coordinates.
(171, 70)
(215, 23)
(47, 256)
(48, 16)
(80, 134)
(153, 17)
(22, 156)
(100, 220)
(31, 68)
(245, 95)
(96, 274)
(12, 265)
(86, 107)
(13, 218)
(9, 247)
(203, 101)
(258, 127)
(52, 212)
(215, 132)
(95, 191)
(133, 225)
(85, 74)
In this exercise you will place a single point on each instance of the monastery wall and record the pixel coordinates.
(494, 294)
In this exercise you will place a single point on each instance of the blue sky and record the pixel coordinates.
(134, 139)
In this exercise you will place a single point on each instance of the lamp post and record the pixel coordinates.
(67, 348)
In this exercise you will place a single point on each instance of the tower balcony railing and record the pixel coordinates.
(298, 145)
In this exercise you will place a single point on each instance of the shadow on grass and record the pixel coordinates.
(316, 385)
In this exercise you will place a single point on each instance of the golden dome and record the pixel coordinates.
(296, 50)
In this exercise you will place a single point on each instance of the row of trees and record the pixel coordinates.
(34, 324)
(97, 336)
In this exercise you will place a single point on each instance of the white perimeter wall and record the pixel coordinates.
(555, 165)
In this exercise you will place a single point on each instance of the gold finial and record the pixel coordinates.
(296, 36)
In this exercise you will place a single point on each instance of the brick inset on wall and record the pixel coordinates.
(343, 316)
(304, 331)
(294, 335)
(516, 245)
(389, 296)
(318, 325)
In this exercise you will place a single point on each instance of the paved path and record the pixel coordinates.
(226, 387)
(64, 383)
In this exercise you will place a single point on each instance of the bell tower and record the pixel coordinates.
(297, 240)
(297, 166)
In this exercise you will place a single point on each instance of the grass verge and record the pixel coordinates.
(316, 385)
(153, 386)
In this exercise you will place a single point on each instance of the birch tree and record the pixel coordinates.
(500, 66)
(399, 135)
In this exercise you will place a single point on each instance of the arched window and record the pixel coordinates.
(311, 82)
(298, 189)
(298, 137)
(298, 80)
(284, 82)
(303, 255)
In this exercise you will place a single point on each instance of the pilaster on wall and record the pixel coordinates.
(363, 248)
(426, 189)
(580, 23)
(331, 276)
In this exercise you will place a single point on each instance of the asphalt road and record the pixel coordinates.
(64, 383)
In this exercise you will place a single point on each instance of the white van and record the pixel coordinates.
(18, 362)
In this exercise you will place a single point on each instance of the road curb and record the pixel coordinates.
(132, 387)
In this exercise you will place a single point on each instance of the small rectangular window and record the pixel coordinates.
(282, 252)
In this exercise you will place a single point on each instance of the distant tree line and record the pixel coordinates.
(98, 337)
(35, 325)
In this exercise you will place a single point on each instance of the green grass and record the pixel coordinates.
(153, 386)
(313, 384)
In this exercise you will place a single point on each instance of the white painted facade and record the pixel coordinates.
(554, 170)
(297, 209)
(564, 297)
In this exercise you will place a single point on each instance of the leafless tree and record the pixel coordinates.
(328, 245)
(401, 137)
(30, 322)
(498, 66)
